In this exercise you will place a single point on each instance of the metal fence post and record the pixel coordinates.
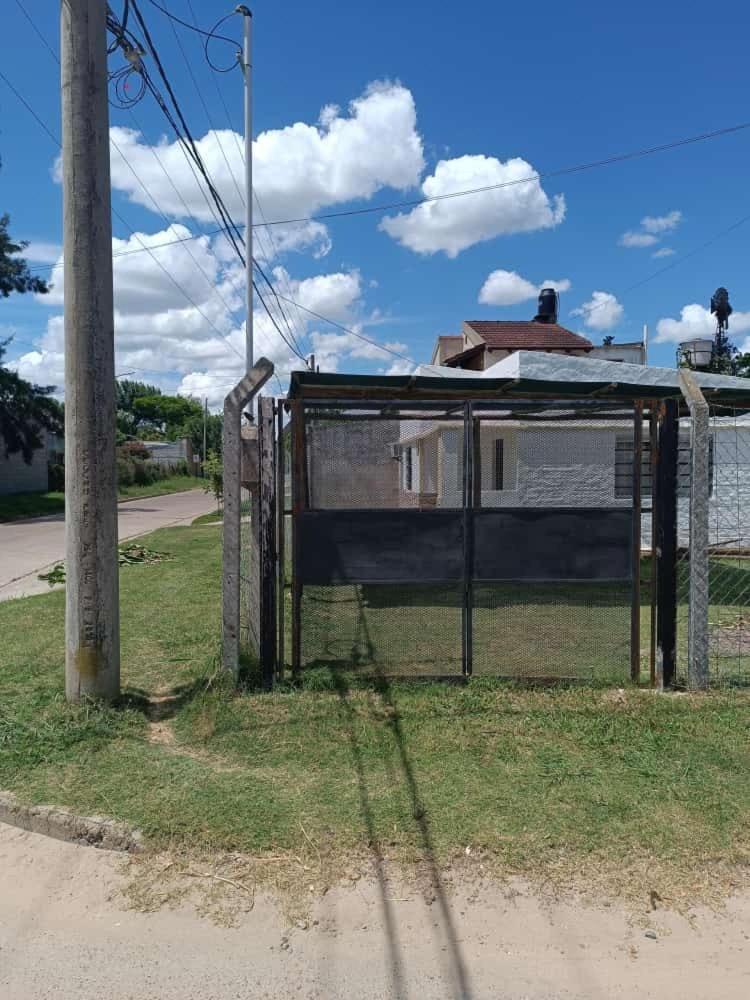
(266, 580)
(468, 526)
(635, 609)
(234, 404)
(699, 564)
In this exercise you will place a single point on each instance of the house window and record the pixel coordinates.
(497, 466)
(408, 469)
(624, 466)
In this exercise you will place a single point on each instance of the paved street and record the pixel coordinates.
(28, 547)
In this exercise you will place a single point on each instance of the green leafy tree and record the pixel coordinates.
(192, 428)
(127, 392)
(165, 412)
(213, 469)
(25, 411)
(15, 275)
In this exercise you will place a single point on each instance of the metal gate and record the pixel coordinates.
(456, 538)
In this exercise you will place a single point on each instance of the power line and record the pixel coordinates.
(38, 33)
(194, 27)
(346, 329)
(31, 111)
(539, 175)
(127, 225)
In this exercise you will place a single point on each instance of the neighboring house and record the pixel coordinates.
(16, 476)
(485, 342)
(633, 352)
(170, 452)
(522, 464)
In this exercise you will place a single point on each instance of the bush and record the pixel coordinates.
(181, 468)
(125, 472)
(55, 477)
(135, 450)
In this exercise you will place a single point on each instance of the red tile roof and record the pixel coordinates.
(526, 335)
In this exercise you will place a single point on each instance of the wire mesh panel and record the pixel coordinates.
(553, 630)
(729, 552)
(434, 539)
(379, 541)
(411, 629)
(554, 529)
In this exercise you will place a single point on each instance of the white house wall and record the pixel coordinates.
(542, 467)
(18, 477)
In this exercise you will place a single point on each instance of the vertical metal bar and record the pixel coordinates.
(635, 608)
(281, 532)
(267, 505)
(298, 496)
(468, 524)
(666, 620)
(653, 440)
(477, 470)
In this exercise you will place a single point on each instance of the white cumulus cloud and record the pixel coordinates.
(663, 252)
(661, 223)
(631, 239)
(453, 224)
(652, 228)
(696, 321)
(508, 288)
(297, 170)
(601, 312)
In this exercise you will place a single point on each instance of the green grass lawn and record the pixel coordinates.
(589, 786)
(20, 505)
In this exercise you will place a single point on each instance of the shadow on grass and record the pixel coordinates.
(456, 972)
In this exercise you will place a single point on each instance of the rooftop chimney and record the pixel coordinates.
(548, 305)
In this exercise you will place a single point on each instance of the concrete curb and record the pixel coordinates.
(92, 831)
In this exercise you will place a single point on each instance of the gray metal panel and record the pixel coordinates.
(380, 546)
(552, 544)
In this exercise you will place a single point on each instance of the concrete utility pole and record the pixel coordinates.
(205, 423)
(247, 73)
(92, 620)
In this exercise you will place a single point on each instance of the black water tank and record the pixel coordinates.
(548, 302)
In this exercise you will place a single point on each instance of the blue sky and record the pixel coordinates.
(446, 97)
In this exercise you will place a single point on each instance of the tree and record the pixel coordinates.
(15, 275)
(193, 428)
(213, 469)
(127, 393)
(165, 412)
(25, 411)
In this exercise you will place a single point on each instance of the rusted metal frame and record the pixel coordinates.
(267, 539)
(653, 438)
(635, 608)
(299, 490)
(468, 533)
(280, 537)
(666, 544)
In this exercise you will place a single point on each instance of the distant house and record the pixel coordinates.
(17, 476)
(483, 343)
(171, 452)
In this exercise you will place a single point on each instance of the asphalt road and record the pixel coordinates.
(27, 548)
(65, 933)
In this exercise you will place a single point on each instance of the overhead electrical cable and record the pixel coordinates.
(536, 176)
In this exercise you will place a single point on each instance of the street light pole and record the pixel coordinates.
(247, 74)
